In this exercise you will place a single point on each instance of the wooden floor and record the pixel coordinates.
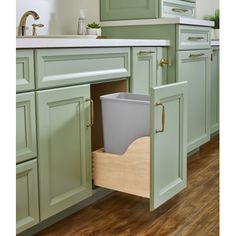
(194, 211)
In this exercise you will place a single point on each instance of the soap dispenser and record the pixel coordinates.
(82, 23)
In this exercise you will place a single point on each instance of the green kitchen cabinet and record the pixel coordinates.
(24, 70)
(26, 147)
(168, 112)
(64, 145)
(215, 90)
(146, 69)
(27, 205)
(194, 67)
(145, 9)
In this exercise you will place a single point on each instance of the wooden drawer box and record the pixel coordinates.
(24, 70)
(62, 67)
(176, 8)
(192, 37)
(152, 167)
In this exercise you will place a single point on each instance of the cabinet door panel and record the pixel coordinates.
(128, 9)
(25, 127)
(144, 70)
(168, 148)
(215, 90)
(27, 210)
(24, 70)
(64, 148)
(194, 67)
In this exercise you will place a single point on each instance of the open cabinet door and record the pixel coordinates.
(168, 142)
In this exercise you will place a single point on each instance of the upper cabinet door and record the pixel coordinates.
(25, 127)
(194, 67)
(128, 9)
(168, 142)
(24, 70)
(64, 143)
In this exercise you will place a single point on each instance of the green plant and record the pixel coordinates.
(215, 18)
(94, 25)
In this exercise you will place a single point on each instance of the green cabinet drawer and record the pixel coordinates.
(192, 37)
(25, 127)
(64, 144)
(27, 205)
(62, 67)
(177, 8)
(194, 67)
(24, 70)
(215, 89)
(128, 9)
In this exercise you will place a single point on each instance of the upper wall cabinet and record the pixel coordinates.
(24, 70)
(145, 9)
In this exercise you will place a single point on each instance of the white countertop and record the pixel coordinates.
(84, 43)
(215, 42)
(159, 21)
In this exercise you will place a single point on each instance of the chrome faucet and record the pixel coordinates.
(22, 27)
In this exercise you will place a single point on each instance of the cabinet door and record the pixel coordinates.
(64, 148)
(128, 9)
(25, 127)
(168, 142)
(194, 67)
(27, 210)
(215, 90)
(24, 70)
(144, 70)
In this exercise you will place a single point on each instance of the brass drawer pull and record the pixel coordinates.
(179, 10)
(215, 50)
(195, 38)
(163, 118)
(165, 61)
(91, 112)
(140, 53)
(197, 55)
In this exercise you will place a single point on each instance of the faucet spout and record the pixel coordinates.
(22, 26)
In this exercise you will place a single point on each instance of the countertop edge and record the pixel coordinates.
(26, 43)
(159, 21)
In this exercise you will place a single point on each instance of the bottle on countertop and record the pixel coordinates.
(82, 23)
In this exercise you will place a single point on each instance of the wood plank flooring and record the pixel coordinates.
(194, 211)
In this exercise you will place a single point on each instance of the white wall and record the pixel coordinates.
(206, 7)
(58, 16)
(61, 16)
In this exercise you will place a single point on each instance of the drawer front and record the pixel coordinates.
(62, 67)
(25, 127)
(191, 37)
(27, 209)
(176, 8)
(24, 70)
(128, 9)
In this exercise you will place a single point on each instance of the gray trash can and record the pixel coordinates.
(125, 117)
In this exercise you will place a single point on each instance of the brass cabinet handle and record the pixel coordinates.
(179, 10)
(215, 50)
(140, 53)
(163, 118)
(195, 38)
(197, 55)
(165, 61)
(91, 112)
